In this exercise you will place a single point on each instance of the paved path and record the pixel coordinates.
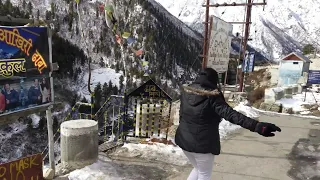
(292, 154)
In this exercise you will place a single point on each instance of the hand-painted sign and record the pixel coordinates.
(28, 168)
(8, 67)
(314, 77)
(24, 68)
(150, 90)
(219, 45)
(24, 51)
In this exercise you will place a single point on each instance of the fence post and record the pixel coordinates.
(50, 138)
(167, 131)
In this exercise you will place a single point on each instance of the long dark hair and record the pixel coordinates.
(44, 85)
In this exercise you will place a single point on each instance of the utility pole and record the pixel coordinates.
(249, 5)
(205, 41)
(245, 41)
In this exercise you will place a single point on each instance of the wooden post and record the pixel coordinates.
(205, 43)
(50, 139)
(225, 81)
(245, 42)
(50, 60)
(167, 131)
(48, 111)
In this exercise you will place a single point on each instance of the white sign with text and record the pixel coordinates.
(219, 45)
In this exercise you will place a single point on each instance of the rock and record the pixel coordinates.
(227, 94)
(288, 96)
(271, 95)
(314, 108)
(172, 130)
(61, 169)
(287, 110)
(270, 107)
(295, 89)
(275, 108)
(48, 173)
(263, 106)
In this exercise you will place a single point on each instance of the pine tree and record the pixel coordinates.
(101, 63)
(38, 14)
(53, 10)
(105, 91)
(24, 4)
(84, 100)
(121, 79)
(110, 85)
(70, 16)
(115, 90)
(30, 7)
(308, 49)
(97, 96)
(117, 67)
(97, 12)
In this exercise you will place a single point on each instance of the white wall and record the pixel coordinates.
(290, 72)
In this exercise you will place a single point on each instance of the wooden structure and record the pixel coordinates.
(147, 103)
(292, 67)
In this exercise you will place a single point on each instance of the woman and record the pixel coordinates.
(45, 91)
(2, 103)
(202, 107)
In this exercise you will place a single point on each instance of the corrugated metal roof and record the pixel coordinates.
(305, 58)
(300, 55)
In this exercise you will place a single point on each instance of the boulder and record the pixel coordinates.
(287, 110)
(270, 107)
(48, 173)
(227, 94)
(271, 95)
(288, 96)
(275, 108)
(295, 89)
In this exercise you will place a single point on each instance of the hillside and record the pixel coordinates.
(171, 47)
(281, 27)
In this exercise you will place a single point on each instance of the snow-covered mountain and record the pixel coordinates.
(281, 27)
(171, 47)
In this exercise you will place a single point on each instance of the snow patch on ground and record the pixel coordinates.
(247, 110)
(99, 75)
(160, 152)
(35, 120)
(297, 101)
(99, 170)
(225, 127)
(16, 127)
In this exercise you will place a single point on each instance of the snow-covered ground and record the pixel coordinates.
(98, 75)
(96, 171)
(154, 151)
(298, 101)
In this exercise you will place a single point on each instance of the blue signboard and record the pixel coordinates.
(24, 69)
(314, 77)
(248, 63)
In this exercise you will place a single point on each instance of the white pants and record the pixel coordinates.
(202, 165)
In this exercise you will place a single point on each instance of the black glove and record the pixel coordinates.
(266, 129)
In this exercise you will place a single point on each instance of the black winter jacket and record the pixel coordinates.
(201, 111)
